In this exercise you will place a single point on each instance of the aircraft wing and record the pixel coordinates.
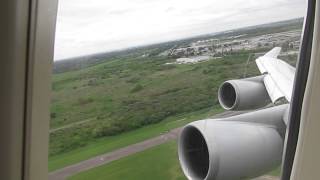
(279, 75)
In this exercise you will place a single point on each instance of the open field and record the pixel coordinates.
(157, 163)
(79, 142)
(125, 94)
(111, 143)
(119, 153)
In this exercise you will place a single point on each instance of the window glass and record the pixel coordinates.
(130, 74)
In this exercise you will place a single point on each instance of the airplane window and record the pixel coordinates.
(172, 89)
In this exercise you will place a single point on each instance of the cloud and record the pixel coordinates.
(85, 27)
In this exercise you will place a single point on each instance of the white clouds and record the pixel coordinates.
(85, 27)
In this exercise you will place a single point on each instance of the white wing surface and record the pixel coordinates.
(279, 75)
(274, 53)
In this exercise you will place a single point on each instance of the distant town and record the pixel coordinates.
(203, 50)
(255, 39)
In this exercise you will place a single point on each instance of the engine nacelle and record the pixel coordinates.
(238, 147)
(243, 94)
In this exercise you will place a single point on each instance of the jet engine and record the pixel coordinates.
(238, 147)
(243, 94)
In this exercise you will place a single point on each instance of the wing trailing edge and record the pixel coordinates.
(279, 75)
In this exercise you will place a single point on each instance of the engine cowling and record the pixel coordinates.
(237, 147)
(243, 94)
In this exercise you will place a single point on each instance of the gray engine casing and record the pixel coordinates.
(243, 94)
(237, 147)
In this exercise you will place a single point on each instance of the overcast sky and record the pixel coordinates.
(91, 26)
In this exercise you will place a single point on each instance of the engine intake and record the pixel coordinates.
(243, 94)
(238, 147)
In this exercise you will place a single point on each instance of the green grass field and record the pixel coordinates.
(125, 108)
(125, 94)
(108, 144)
(158, 163)
(169, 98)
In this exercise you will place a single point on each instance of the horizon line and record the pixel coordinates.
(178, 39)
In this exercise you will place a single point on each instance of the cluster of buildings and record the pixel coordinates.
(191, 60)
(219, 47)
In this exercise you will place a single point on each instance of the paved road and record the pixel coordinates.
(111, 156)
(63, 173)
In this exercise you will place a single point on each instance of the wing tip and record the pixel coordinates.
(273, 53)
